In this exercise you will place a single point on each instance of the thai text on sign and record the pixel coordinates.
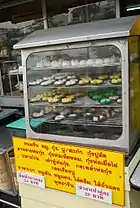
(31, 179)
(93, 192)
(66, 165)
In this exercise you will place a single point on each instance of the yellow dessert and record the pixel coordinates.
(96, 81)
(53, 100)
(67, 100)
(103, 77)
(115, 76)
(45, 99)
(116, 81)
(71, 96)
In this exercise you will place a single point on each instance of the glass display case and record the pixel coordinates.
(77, 84)
(78, 91)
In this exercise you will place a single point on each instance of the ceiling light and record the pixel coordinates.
(14, 3)
(132, 8)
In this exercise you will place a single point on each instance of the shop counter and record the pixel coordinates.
(5, 113)
(18, 127)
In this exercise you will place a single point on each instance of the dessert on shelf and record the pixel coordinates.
(67, 79)
(57, 62)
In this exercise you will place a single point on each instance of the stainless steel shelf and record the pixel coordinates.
(106, 84)
(111, 122)
(15, 73)
(80, 102)
(72, 67)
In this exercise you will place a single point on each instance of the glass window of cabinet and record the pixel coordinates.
(76, 92)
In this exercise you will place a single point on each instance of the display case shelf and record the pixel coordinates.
(115, 121)
(74, 67)
(80, 102)
(106, 84)
(100, 136)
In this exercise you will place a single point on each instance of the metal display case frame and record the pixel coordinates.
(107, 32)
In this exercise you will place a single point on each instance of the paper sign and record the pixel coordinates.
(63, 166)
(31, 179)
(93, 192)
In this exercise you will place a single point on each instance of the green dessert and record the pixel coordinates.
(105, 101)
(96, 97)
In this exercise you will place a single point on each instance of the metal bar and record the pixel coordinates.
(117, 9)
(1, 85)
(14, 101)
(44, 12)
(10, 84)
(11, 204)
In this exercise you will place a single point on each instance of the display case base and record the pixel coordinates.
(35, 197)
(42, 198)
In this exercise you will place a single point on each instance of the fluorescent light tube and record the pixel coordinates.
(14, 3)
(136, 7)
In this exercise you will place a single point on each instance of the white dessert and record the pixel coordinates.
(38, 114)
(83, 63)
(38, 81)
(72, 116)
(71, 77)
(115, 59)
(112, 59)
(65, 64)
(95, 118)
(90, 62)
(54, 64)
(106, 60)
(59, 118)
(60, 82)
(47, 63)
(119, 101)
(71, 82)
(32, 83)
(48, 82)
(99, 61)
(114, 98)
(60, 61)
(45, 78)
(74, 62)
(35, 82)
(59, 77)
(102, 118)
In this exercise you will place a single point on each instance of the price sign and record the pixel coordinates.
(93, 192)
(31, 179)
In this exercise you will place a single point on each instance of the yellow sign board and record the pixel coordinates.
(63, 166)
